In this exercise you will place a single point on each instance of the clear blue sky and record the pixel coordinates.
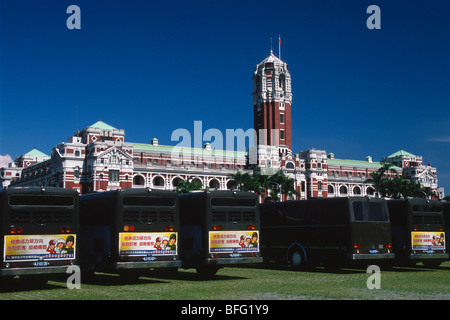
(150, 67)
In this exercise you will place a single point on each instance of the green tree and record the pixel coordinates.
(185, 186)
(388, 183)
(269, 185)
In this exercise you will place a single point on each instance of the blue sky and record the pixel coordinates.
(150, 67)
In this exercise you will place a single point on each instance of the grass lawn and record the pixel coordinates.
(267, 283)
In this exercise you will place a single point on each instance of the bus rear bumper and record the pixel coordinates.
(147, 265)
(426, 256)
(233, 261)
(371, 256)
(32, 270)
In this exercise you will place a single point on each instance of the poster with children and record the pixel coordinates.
(39, 247)
(233, 241)
(434, 240)
(145, 243)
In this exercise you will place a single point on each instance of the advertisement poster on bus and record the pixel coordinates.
(233, 241)
(39, 247)
(428, 240)
(148, 243)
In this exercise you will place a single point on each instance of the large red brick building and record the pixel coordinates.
(99, 157)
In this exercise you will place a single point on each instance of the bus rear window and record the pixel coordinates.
(369, 211)
(148, 201)
(44, 200)
(233, 202)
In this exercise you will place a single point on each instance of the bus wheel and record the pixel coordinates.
(296, 258)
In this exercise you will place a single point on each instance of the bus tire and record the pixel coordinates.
(296, 258)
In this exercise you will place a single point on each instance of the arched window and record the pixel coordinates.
(282, 82)
(214, 184)
(330, 189)
(343, 190)
(158, 181)
(138, 181)
(357, 190)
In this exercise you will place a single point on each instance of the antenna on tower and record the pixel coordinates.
(271, 51)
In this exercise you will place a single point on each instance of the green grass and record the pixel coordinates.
(269, 283)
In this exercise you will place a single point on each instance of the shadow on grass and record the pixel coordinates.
(188, 275)
(21, 285)
(310, 269)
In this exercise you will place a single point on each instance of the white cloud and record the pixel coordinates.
(5, 160)
(440, 139)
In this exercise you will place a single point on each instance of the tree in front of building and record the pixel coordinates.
(269, 186)
(185, 186)
(388, 183)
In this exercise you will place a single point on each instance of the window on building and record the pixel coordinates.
(113, 176)
(282, 134)
(281, 117)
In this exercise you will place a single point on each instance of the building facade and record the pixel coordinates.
(99, 158)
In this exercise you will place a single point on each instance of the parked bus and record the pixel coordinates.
(418, 231)
(128, 231)
(446, 210)
(39, 229)
(218, 229)
(332, 231)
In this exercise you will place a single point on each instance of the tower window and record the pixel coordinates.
(281, 117)
(282, 134)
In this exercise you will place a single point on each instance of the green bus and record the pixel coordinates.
(334, 232)
(418, 233)
(129, 231)
(40, 229)
(218, 229)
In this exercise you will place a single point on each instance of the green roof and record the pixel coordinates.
(194, 151)
(36, 153)
(357, 163)
(101, 125)
(401, 152)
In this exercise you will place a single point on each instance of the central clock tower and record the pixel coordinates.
(272, 98)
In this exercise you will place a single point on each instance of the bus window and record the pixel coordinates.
(369, 211)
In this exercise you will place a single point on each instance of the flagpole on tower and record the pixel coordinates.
(279, 46)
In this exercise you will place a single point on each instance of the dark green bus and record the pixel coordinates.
(218, 229)
(128, 231)
(333, 231)
(418, 231)
(39, 232)
(446, 210)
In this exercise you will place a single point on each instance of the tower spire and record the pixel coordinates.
(271, 51)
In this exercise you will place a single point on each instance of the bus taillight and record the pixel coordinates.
(251, 227)
(416, 229)
(388, 247)
(65, 230)
(15, 230)
(169, 228)
(128, 228)
(357, 246)
(217, 227)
